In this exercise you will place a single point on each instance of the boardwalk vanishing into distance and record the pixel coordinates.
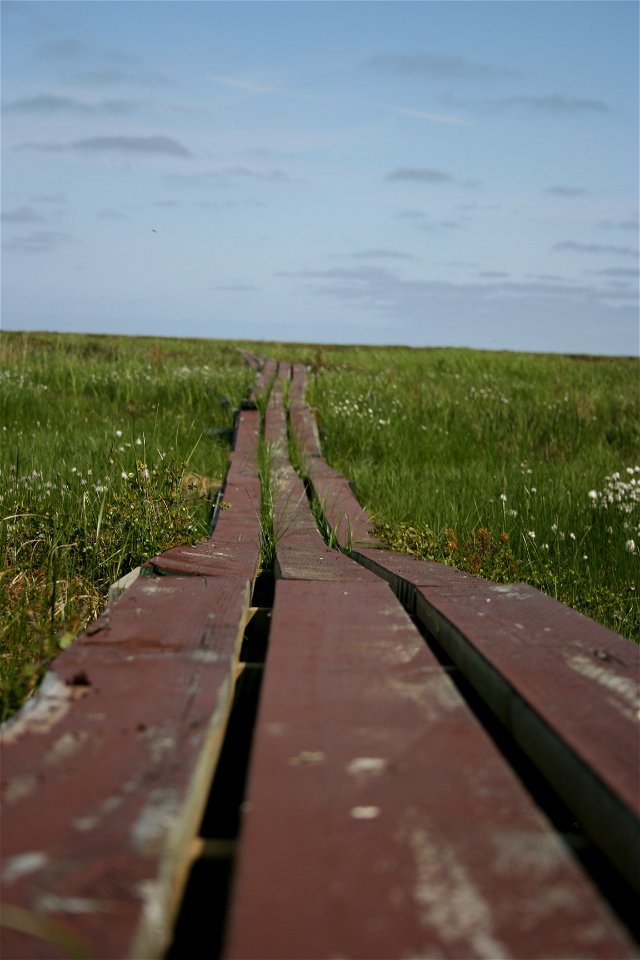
(287, 741)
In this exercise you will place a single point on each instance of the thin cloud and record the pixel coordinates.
(228, 174)
(621, 273)
(245, 86)
(38, 241)
(264, 176)
(419, 175)
(567, 192)
(557, 105)
(381, 254)
(436, 66)
(46, 104)
(116, 76)
(110, 214)
(576, 247)
(145, 145)
(22, 215)
(631, 224)
(382, 290)
(149, 146)
(424, 222)
(447, 119)
(71, 50)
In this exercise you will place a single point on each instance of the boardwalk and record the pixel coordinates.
(354, 753)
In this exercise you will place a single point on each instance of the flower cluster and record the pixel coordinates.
(619, 493)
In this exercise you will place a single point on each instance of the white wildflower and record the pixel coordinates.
(630, 546)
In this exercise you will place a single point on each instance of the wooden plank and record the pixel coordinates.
(380, 820)
(105, 772)
(297, 385)
(305, 430)
(565, 687)
(263, 383)
(349, 521)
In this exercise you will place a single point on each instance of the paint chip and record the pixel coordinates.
(367, 765)
(365, 813)
(307, 758)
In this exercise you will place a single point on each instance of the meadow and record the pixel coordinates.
(514, 466)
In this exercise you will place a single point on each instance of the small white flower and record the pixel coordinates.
(554, 527)
(572, 535)
(630, 546)
(532, 534)
(118, 433)
(124, 475)
(503, 497)
(593, 494)
(144, 474)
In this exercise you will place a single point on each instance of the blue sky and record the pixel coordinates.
(424, 173)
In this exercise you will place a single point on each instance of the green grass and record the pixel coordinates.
(104, 460)
(481, 460)
(486, 461)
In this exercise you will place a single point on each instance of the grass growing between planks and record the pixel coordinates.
(107, 451)
(517, 467)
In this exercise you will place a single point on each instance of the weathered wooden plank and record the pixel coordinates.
(105, 773)
(381, 821)
(296, 387)
(305, 430)
(349, 521)
(263, 382)
(255, 362)
(564, 686)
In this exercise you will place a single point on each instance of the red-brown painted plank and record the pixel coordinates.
(297, 385)
(264, 380)
(381, 821)
(564, 686)
(348, 520)
(305, 430)
(106, 770)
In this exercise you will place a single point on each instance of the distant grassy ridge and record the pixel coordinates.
(515, 466)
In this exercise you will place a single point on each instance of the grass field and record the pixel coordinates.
(514, 466)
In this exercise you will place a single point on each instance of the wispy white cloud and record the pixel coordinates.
(448, 119)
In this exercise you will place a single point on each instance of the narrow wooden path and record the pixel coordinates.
(354, 754)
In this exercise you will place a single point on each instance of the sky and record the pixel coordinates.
(443, 173)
